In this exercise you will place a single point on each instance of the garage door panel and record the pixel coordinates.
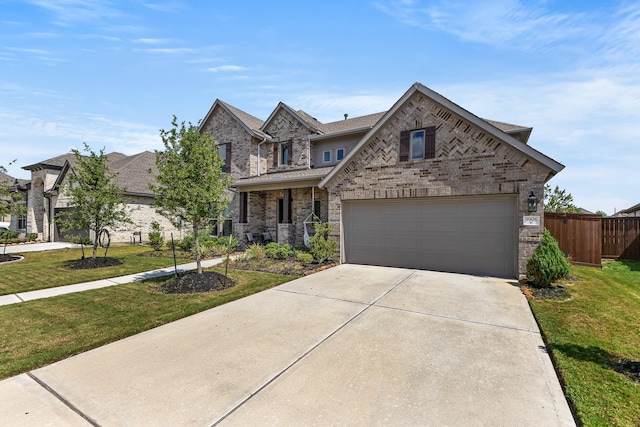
(466, 235)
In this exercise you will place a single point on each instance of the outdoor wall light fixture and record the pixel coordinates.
(532, 202)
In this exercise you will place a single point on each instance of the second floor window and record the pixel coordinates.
(418, 144)
(282, 153)
(224, 151)
(339, 154)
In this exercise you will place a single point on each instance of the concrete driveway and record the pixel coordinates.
(352, 345)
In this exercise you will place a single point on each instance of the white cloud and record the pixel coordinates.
(225, 68)
(66, 11)
(496, 22)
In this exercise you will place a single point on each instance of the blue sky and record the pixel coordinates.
(112, 73)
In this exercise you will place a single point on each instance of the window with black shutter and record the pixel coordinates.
(282, 153)
(417, 144)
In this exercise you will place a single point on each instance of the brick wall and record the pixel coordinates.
(283, 127)
(468, 162)
(225, 129)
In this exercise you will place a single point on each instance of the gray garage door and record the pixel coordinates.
(456, 234)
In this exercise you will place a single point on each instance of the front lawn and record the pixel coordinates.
(47, 269)
(590, 335)
(40, 332)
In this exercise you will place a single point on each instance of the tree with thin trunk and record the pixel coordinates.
(558, 200)
(190, 181)
(10, 203)
(97, 201)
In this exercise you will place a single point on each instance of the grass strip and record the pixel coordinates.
(589, 333)
(37, 333)
(48, 269)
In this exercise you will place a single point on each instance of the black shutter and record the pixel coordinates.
(227, 161)
(286, 211)
(275, 154)
(290, 150)
(244, 199)
(405, 138)
(430, 142)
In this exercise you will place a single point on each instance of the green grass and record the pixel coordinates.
(588, 333)
(47, 269)
(40, 332)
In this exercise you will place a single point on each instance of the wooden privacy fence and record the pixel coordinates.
(621, 237)
(589, 238)
(578, 235)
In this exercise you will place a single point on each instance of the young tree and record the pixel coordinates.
(97, 200)
(9, 202)
(190, 182)
(558, 200)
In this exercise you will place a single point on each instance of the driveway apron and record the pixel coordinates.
(356, 345)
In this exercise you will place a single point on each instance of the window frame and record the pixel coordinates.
(406, 151)
(324, 156)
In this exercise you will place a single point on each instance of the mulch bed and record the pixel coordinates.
(287, 266)
(7, 257)
(98, 262)
(628, 368)
(191, 282)
(555, 292)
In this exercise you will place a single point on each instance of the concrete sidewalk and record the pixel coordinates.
(103, 283)
(351, 345)
(36, 247)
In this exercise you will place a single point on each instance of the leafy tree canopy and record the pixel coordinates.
(97, 200)
(190, 182)
(558, 200)
(10, 203)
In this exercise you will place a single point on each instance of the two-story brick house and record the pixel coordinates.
(426, 184)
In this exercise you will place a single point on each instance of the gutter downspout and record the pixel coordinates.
(308, 151)
(264, 139)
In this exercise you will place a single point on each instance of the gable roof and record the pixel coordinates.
(455, 108)
(56, 163)
(305, 119)
(633, 208)
(250, 123)
(132, 172)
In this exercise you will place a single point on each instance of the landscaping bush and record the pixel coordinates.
(32, 237)
(256, 251)
(548, 263)
(8, 234)
(188, 242)
(322, 248)
(156, 239)
(304, 258)
(220, 244)
(275, 250)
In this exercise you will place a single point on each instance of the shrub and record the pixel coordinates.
(8, 234)
(188, 243)
(221, 243)
(156, 239)
(304, 258)
(277, 251)
(256, 251)
(32, 237)
(548, 263)
(322, 248)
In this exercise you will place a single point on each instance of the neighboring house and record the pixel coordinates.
(47, 201)
(424, 185)
(632, 211)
